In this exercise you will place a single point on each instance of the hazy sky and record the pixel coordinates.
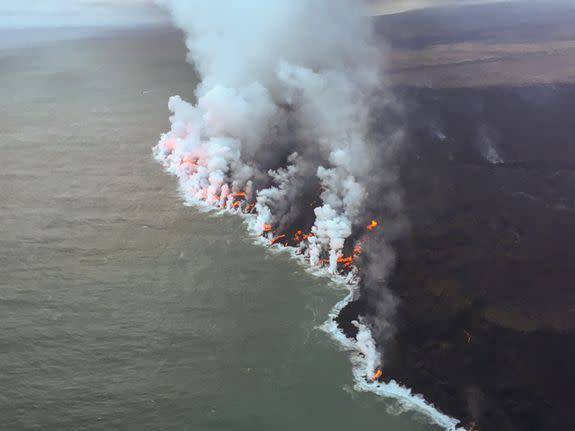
(77, 13)
(82, 13)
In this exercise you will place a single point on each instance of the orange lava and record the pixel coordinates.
(372, 225)
(277, 238)
(377, 374)
(267, 227)
(345, 261)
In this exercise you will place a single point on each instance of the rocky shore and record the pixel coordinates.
(485, 327)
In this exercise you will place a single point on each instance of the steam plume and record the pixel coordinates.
(282, 126)
(291, 124)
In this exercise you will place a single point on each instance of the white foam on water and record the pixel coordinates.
(363, 367)
(362, 352)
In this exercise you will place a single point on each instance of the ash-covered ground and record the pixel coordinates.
(485, 322)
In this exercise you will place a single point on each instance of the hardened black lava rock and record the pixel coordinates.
(485, 326)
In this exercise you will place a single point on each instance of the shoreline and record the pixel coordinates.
(363, 357)
(485, 325)
(359, 356)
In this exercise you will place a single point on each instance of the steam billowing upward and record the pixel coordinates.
(282, 125)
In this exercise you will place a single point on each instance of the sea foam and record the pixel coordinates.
(362, 352)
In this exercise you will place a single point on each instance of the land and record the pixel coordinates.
(485, 326)
(481, 45)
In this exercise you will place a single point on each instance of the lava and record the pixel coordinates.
(277, 238)
(297, 236)
(372, 225)
(377, 374)
(346, 261)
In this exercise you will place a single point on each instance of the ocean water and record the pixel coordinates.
(122, 309)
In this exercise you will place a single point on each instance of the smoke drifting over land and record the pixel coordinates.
(283, 127)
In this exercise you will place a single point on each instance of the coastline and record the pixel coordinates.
(363, 353)
(482, 167)
(491, 209)
(483, 160)
(485, 325)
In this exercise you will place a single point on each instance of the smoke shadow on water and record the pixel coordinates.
(123, 309)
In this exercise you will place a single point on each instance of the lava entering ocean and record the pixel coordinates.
(285, 133)
(189, 167)
(282, 131)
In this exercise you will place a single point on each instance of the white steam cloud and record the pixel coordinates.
(271, 69)
(282, 127)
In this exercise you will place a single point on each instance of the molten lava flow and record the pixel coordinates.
(277, 238)
(346, 261)
(267, 227)
(377, 374)
(297, 236)
(237, 199)
(372, 225)
(300, 236)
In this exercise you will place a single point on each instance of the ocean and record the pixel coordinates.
(123, 309)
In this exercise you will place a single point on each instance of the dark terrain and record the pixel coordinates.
(515, 43)
(485, 326)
